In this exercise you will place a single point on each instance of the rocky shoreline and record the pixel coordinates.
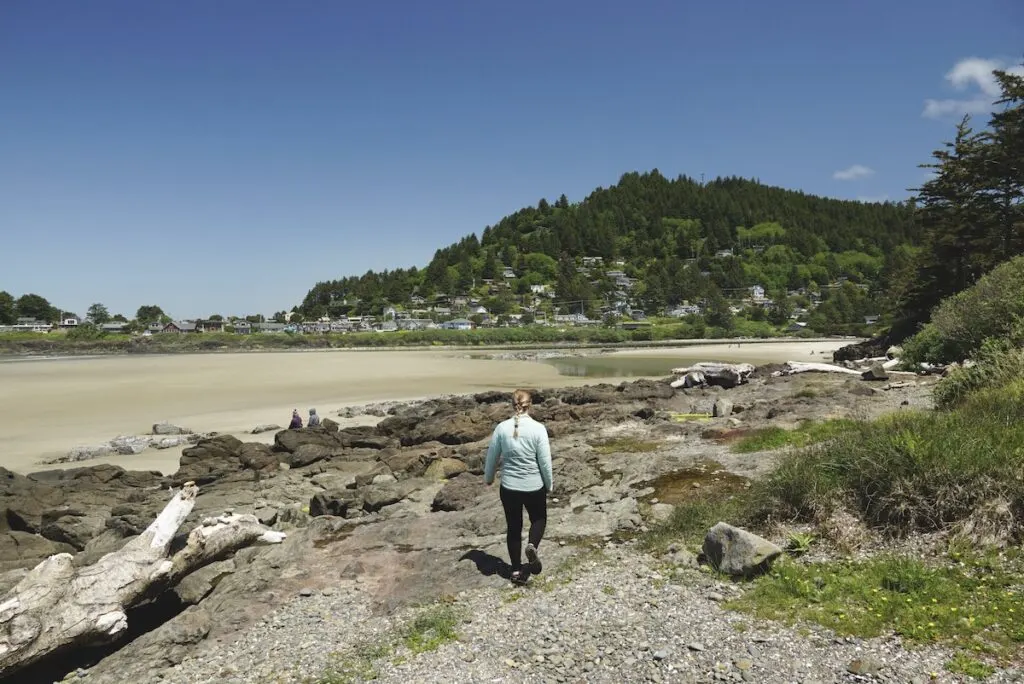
(381, 518)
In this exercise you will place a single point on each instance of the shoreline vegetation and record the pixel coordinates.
(28, 344)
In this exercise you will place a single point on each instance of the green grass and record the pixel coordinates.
(691, 520)
(431, 627)
(914, 471)
(808, 433)
(626, 445)
(686, 417)
(971, 602)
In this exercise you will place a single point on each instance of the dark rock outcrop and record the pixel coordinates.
(459, 493)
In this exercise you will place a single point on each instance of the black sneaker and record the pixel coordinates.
(534, 559)
(520, 577)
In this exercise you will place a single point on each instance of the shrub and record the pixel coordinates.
(990, 308)
(912, 471)
(928, 346)
(998, 363)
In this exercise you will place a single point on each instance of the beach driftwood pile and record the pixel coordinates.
(59, 607)
(728, 375)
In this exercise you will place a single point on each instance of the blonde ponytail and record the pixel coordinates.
(521, 402)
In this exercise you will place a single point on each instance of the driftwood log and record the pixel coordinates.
(58, 607)
(793, 367)
(725, 375)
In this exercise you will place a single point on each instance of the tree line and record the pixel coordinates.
(970, 212)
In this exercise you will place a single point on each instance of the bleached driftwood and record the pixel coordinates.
(713, 373)
(793, 367)
(57, 607)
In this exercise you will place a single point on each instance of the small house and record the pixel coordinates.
(180, 327)
(457, 324)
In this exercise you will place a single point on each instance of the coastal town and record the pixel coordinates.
(494, 303)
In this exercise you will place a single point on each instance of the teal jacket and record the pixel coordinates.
(525, 460)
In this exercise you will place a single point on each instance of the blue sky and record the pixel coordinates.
(224, 156)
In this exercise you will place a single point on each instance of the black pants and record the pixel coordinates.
(536, 504)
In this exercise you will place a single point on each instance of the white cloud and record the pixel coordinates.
(970, 74)
(855, 172)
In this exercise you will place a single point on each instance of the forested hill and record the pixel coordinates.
(671, 236)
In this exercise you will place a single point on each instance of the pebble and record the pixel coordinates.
(649, 631)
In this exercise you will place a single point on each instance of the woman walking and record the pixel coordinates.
(522, 445)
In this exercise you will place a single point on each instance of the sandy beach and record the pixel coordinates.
(742, 351)
(51, 405)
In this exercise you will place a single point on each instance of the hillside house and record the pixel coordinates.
(180, 327)
(757, 294)
(684, 310)
(723, 254)
(573, 319)
(507, 273)
(457, 324)
(416, 324)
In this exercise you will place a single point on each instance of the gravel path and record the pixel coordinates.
(616, 616)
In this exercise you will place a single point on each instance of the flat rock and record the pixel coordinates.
(170, 429)
(445, 468)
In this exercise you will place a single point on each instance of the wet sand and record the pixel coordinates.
(49, 406)
(755, 352)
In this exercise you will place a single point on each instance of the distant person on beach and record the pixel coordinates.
(296, 420)
(521, 443)
(314, 420)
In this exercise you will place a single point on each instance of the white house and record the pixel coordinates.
(757, 293)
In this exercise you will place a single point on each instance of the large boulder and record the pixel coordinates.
(71, 526)
(307, 454)
(596, 394)
(25, 550)
(459, 493)
(737, 552)
(197, 585)
(23, 501)
(357, 437)
(256, 456)
(721, 408)
(209, 460)
(445, 468)
(875, 372)
(643, 390)
(376, 497)
(337, 502)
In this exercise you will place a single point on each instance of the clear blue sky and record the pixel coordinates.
(224, 156)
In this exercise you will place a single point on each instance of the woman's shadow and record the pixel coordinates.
(488, 565)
